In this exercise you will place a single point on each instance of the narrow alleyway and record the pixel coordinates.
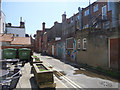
(73, 77)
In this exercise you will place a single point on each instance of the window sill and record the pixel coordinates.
(84, 50)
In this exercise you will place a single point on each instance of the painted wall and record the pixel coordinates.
(71, 52)
(97, 47)
(2, 27)
(45, 45)
(0, 50)
(15, 31)
(2, 22)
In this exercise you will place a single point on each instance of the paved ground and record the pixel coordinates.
(27, 79)
(66, 76)
(78, 77)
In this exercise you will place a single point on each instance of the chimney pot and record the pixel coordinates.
(20, 19)
(43, 24)
(22, 24)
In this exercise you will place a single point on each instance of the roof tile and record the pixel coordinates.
(21, 41)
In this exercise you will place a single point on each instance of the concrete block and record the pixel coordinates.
(43, 75)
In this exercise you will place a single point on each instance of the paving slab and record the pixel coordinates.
(27, 79)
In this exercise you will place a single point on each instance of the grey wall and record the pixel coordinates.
(97, 52)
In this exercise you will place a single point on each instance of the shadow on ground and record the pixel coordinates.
(33, 84)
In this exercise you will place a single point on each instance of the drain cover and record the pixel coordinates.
(106, 84)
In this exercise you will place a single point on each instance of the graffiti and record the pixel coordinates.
(69, 53)
(72, 52)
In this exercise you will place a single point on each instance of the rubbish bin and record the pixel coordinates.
(24, 54)
(9, 53)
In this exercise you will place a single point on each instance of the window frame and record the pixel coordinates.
(78, 44)
(84, 42)
(104, 13)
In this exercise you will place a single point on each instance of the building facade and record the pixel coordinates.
(97, 43)
(2, 27)
(18, 31)
(90, 36)
(100, 15)
(2, 22)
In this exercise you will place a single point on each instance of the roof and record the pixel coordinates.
(1, 34)
(14, 27)
(21, 41)
(6, 37)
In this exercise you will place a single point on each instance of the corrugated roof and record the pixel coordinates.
(21, 41)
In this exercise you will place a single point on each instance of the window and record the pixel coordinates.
(78, 44)
(17, 35)
(78, 17)
(96, 26)
(86, 12)
(95, 8)
(77, 24)
(106, 25)
(104, 12)
(85, 26)
(71, 19)
(84, 44)
(69, 43)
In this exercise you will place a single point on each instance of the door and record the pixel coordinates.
(114, 53)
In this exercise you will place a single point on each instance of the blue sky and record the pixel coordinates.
(34, 13)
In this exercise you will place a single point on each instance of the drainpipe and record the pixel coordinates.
(114, 14)
(0, 53)
(89, 15)
(0, 50)
(80, 18)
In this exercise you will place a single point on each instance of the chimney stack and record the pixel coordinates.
(43, 24)
(9, 24)
(55, 22)
(20, 19)
(22, 24)
(80, 18)
(64, 17)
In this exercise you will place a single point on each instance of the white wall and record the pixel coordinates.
(2, 28)
(0, 50)
(2, 22)
(15, 31)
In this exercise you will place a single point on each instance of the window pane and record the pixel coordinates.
(84, 44)
(95, 8)
(86, 12)
(78, 44)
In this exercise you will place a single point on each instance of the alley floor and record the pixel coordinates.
(78, 77)
(66, 76)
(27, 80)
